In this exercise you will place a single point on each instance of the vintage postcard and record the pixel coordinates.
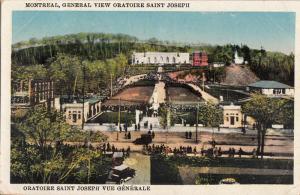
(149, 97)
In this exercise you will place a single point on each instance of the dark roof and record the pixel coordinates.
(269, 85)
(91, 100)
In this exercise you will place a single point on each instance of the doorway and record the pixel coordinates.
(232, 120)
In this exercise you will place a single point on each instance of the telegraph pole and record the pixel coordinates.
(203, 74)
(119, 118)
(197, 116)
(83, 98)
(111, 85)
(168, 121)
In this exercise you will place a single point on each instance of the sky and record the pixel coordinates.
(274, 31)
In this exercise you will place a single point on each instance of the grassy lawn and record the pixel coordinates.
(227, 93)
(244, 179)
(112, 117)
(232, 162)
(164, 170)
(188, 117)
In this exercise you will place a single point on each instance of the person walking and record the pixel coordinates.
(153, 134)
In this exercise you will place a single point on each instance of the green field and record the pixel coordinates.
(165, 170)
(112, 117)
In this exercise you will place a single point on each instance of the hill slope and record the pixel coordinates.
(239, 75)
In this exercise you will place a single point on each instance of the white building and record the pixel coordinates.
(271, 88)
(232, 116)
(238, 59)
(160, 58)
(73, 111)
(218, 64)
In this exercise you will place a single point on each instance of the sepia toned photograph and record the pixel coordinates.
(152, 98)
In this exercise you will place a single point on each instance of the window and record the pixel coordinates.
(79, 116)
(237, 119)
(227, 119)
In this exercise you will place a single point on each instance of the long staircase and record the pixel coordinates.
(151, 120)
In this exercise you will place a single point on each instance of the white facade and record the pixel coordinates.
(278, 92)
(160, 58)
(232, 116)
(238, 59)
(218, 65)
(73, 111)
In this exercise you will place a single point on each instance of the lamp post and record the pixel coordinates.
(83, 94)
(197, 118)
(119, 118)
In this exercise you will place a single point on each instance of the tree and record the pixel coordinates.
(265, 111)
(35, 159)
(67, 70)
(210, 115)
(43, 127)
(166, 116)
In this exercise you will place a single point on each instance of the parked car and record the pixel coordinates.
(120, 174)
(145, 139)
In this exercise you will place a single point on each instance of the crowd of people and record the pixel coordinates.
(108, 148)
(184, 150)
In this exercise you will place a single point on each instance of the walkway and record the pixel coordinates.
(207, 97)
(158, 96)
(142, 166)
(134, 79)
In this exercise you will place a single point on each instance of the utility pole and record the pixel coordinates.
(203, 74)
(197, 116)
(119, 118)
(214, 75)
(89, 161)
(168, 121)
(83, 98)
(111, 85)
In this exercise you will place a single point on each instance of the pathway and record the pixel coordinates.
(205, 96)
(142, 166)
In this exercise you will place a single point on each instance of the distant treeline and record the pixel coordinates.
(99, 46)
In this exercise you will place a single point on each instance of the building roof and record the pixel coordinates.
(269, 85)
(231, 107)
(71, 99)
